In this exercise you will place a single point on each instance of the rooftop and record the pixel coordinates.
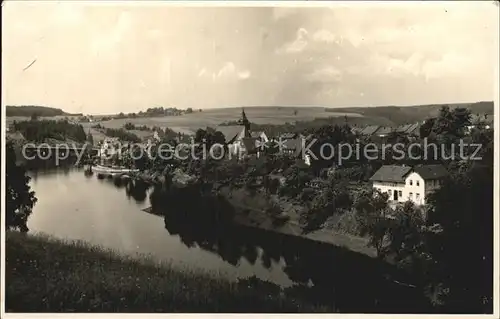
(391, 173)
(397, 173)
(230, 132)
(431, 171)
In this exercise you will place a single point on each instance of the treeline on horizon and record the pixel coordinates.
(36, 111)
(390, 116)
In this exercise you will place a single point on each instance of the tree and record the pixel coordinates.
(463, 207)
(296, 179)
(371, 209)
(34, 116)
(451, 124)
(20, 199)
(189, 110)
(90, 138)
(129, 126)
(426, 127)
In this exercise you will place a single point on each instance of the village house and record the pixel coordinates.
(292, 144)
(403, 183)
(110, 146)
(155, 138)
(240, 140)
(480, 120)
(261, 136)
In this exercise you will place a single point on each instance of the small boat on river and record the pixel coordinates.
(113, 170)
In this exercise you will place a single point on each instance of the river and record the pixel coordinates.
(78, 207)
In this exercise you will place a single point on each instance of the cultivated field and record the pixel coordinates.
(189, 123)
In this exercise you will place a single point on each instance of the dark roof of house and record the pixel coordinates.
(434, 171)
(250, 143)
(356, 129)
(293, 144)
(16, 136)
(256, 134)
(403, 128)
(384, 130)
(308, 137)
(230, 132)
(413, 129)
(369, 130)
(391, 173)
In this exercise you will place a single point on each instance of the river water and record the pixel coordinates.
(78, 207)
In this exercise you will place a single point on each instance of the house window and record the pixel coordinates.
(411, 182)
(417, 196)
(400, 193)
(418, 183)
(411, 196)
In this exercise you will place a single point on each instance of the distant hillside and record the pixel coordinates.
(397, 115)
(30, 110)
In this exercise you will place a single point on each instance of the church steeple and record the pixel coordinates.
(245, 122)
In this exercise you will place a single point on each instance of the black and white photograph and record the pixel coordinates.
(250, 157)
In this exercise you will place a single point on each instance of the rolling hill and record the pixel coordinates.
(30, 110)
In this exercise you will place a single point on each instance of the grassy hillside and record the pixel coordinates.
(48, 275)
(30, 110)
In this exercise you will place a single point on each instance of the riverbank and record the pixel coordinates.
(252, 212)
(44, 274)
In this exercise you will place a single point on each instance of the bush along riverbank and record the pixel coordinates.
(48, 275)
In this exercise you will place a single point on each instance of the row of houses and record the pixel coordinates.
(413, 130)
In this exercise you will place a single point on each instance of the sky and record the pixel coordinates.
(103, 59)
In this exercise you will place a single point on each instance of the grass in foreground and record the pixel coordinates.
(49, 275)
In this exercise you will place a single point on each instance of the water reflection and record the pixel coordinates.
(352, 281)
(137, 190)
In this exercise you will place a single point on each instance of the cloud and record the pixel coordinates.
(326, 36)
(244, 74)
(297, 45)
(327, 74)
(228, 71)
(68, 14)
(154, 34)
(202, 72)
(283, 12)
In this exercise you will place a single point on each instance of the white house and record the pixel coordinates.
(109, 147)
(403, 183)
(261, 136)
